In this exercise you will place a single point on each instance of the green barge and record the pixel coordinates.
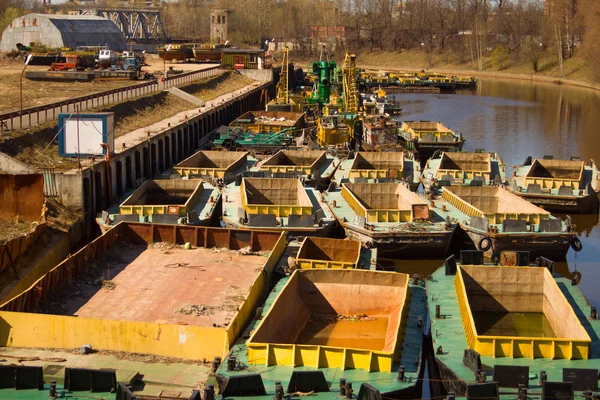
(512, 331)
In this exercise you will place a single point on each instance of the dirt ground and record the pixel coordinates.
(37, 93)
(12, 229)
(39, 146)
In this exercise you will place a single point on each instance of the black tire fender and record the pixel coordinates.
(576, 277)
(576, 244)
(484, 244)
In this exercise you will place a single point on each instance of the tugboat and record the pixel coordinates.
(566, 186)
(426, 137)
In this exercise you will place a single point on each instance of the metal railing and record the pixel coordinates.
(33, 116)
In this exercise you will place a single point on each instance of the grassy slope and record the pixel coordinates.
(575, 68)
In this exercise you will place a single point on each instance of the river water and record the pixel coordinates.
(517, 119)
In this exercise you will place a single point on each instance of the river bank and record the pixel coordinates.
(576, 72)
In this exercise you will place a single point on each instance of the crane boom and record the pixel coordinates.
(283, 94)
(350, 86)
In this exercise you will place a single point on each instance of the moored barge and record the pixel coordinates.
(568, 186)
(496, 220)
(511, 331)
(391, 218)
(465, 168)
(426, 137)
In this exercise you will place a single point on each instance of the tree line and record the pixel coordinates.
(471, 30)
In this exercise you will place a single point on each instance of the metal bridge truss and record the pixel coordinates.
(134, 23)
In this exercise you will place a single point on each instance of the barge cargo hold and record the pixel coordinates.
(465, 168)
(426, 137)
(302, 162)
(567, 186)
(282, 204)
(496, 220)
(337, 342)
(371, 167)
(150, 289)
(391, 218)
(509, 332)
(315, 167)
(166, 201)
(212, 164)
(316, 252)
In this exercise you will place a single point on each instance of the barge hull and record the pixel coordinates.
(405, 244)
(554, 247)
(564, 204)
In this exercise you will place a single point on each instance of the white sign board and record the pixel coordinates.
(85, 133)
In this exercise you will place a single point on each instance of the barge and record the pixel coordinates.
(282, 204)
(166, 201)
(389, 217)
(380, 167)
(511, 332)
(566, 186)
(212, 164)
(356, 333)
(176, 52)
(465, 168)
(315, 167)
(325, 253)
(426, 137)
(495, 220)
(269, 121)
(208, 52)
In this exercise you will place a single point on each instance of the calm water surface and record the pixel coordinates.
(519, 119)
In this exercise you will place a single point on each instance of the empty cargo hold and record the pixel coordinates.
(518, 312)
(317, 252)
(454, 163)
(343, 319)
(163, 196)
(215, 164)
(384, 202)
(494, 203)
(374, 165)
(301, 161)
(281, 197)
(555, 173)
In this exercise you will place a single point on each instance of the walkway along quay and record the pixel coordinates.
(146, 153)
(33, 116)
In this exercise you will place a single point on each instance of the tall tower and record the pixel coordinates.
(219, 18)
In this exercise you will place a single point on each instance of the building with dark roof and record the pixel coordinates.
(56, 31)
